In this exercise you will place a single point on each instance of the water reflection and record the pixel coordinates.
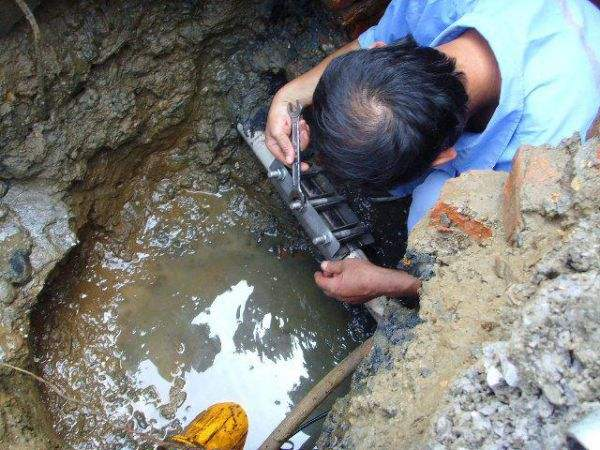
(192, 311)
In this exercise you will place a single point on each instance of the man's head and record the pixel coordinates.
(387, 114)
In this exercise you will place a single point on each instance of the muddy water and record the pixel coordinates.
(193, 309)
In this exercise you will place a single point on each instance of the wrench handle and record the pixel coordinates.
(296, 144)
(295, 112)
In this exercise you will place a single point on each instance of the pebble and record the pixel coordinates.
(509, 372)
(494, 378)
(168, 411)
(544, 408)
(443, 426)
(20, 267)
(140, 418)
(487, 410)
(425, 372)
(7, 292)
(4, 186)
(480, 422)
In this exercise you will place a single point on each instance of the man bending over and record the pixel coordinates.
(435, 89)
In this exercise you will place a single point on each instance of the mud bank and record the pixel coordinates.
(503, 352)
(128, 98)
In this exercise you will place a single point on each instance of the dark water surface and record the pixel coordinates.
(190, 311)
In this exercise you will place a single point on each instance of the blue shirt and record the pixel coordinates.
(548, 53)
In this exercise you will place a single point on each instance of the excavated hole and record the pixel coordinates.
(187, 287)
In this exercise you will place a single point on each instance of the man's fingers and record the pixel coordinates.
(327, 283)
(275, 149)
(278, 153)
(320, 280)
(335, 267)
(304, 134)
(304, 139)
(285, 144)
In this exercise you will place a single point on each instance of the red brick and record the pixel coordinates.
(594, 130)
(357, 15)
(442, 213)
(535, 176)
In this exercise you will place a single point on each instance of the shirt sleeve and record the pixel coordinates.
(423, 19)
(391, 27)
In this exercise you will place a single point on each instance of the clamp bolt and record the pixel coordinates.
(321, 240)
(296, 205)
(278, 174)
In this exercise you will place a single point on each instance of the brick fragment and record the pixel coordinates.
(468, 211)
(534, 178)
(594, 130)
(444, 216)
(356, 15)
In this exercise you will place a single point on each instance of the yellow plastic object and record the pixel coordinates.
(223, 426)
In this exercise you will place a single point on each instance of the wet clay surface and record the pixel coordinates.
(194, 309)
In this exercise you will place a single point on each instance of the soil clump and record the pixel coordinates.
(503, 350)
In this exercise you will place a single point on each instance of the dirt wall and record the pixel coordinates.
(126, 94)
(503, 351)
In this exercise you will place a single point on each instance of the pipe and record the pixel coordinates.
(316, 395)
(256, 140)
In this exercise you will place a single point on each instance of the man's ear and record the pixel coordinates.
(378, 44)
(445, 156)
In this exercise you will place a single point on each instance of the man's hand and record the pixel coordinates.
(279, 129)
(357, 281)
(279, 125)
(350, 280)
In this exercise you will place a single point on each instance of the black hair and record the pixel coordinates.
(381, 116)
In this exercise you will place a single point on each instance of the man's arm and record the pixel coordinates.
(303, 87)
(278, 130)
(357, 281)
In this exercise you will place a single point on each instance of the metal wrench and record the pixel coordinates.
(298, 198)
